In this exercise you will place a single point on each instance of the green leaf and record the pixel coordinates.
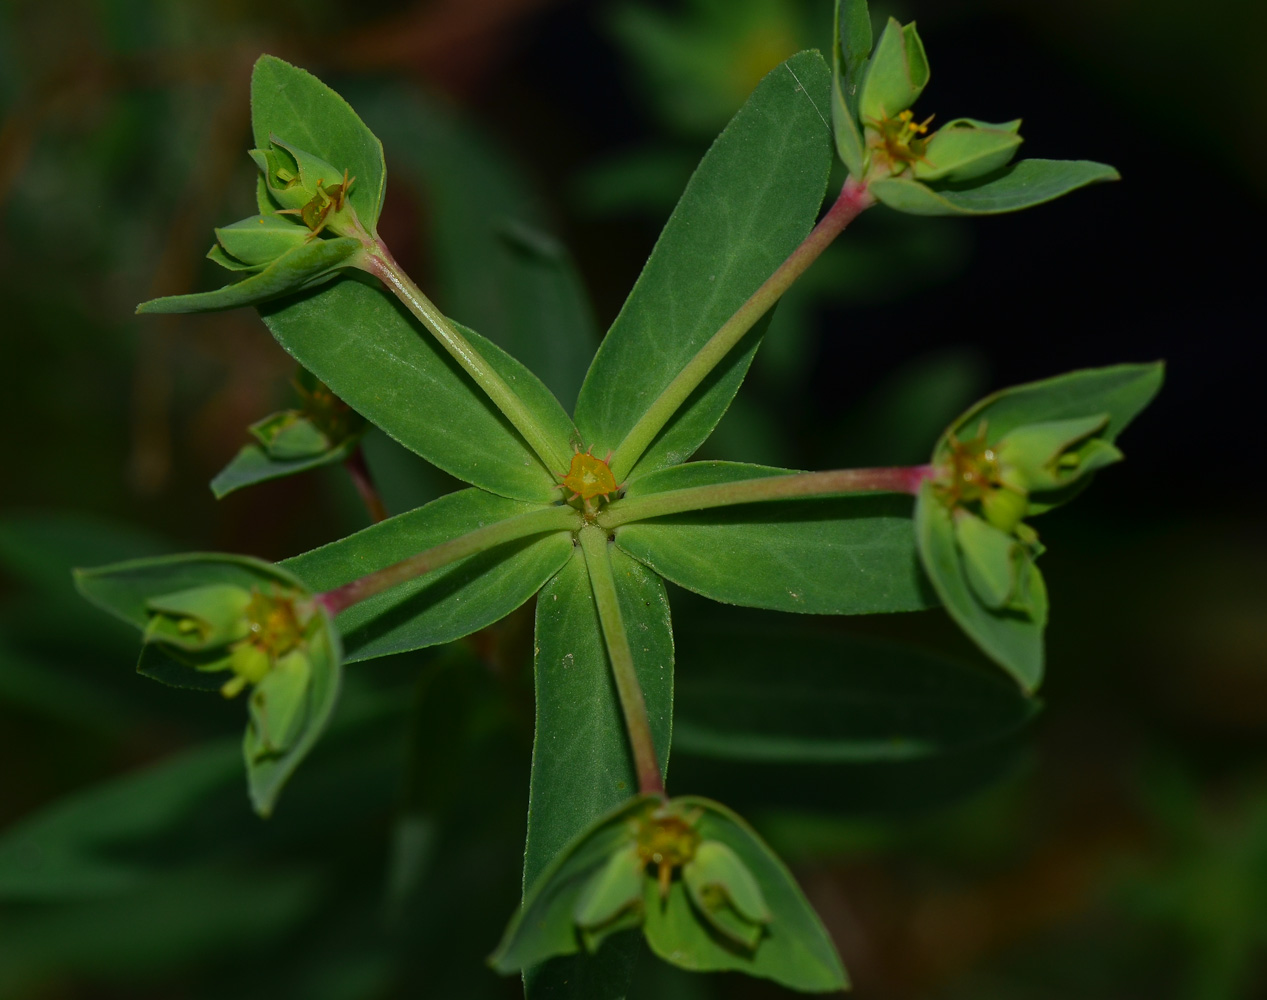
(1121, 391)
(447, 603)
(839, 555)
(71, 848)
(780, 694)
(294, 105)
(851, 47)
(753, 198)
(366, 347)
(794, 950)
(1011, 638)
(495, 265)
(581, 764)
(307, 266)
(252, 465)
(1021, 185)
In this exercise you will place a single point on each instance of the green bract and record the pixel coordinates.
(706, 891)
(960, 169)
(1017, 454)
(207, 616)
(323, 431)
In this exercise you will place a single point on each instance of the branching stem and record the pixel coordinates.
(534, 522)
(800, 485)
(359, 471)
(380, 263)
(854, 199)
(632, 703)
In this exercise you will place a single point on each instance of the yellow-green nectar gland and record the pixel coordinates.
(898, 140)
(275, 628)
(589, 477)
(668, 841)
(327, 199)
(971, 472)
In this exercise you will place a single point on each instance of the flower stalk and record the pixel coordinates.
(632, 703)
(380, 263)
(854, 199)
(534, 522)
(801, 485)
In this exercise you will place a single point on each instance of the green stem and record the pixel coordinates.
(905, 479)
(854, 199)
(380, 263)
(535, 522)
(603, 583)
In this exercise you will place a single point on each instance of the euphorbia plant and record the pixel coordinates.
(592, 512)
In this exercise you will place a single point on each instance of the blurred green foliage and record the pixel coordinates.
(1128, 824)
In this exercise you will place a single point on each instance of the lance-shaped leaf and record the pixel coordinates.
(838, 555)
(291, 103)
(290, 652)
(753, 198)
(447, 603)
(366, 347)
(310, 264)
(778, 693)
(1021, 185)
(581, 763)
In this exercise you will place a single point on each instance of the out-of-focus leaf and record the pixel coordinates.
(71, 849)
(496, 266)
(253, 465)
(784, 694)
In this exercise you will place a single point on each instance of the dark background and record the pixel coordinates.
(1124, 851)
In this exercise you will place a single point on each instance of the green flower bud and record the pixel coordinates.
(1052, 455)
(258, 241)
(897, 74)
(612, 898)
(308, 187)
(963, 149)
(726, 894)
(200, 618)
